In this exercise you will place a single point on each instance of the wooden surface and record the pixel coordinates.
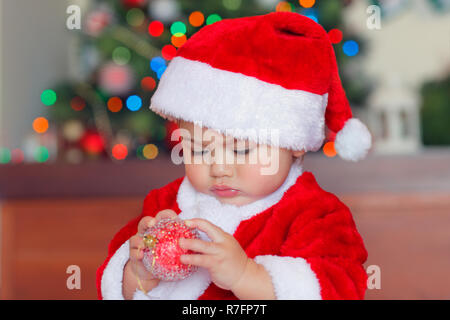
(41, 238)
(407, 236)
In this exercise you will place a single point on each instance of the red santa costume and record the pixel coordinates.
(278, 72)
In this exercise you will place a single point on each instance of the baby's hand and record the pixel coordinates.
(137, 246)
(223, 257)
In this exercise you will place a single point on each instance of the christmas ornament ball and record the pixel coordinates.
(162, 252)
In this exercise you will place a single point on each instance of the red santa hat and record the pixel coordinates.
(274, 71)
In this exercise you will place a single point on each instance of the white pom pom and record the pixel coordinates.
(353, 141)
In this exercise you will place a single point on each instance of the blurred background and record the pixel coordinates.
(79, 148)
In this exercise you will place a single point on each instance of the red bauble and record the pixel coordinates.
(97, 21)
(115, 79)
(162, 252)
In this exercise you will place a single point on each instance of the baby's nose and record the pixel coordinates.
(220, 166)
(220, 170)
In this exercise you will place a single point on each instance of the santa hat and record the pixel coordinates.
(274, 71)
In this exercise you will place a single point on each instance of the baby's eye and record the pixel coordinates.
(198, 153)
(242, 151)
(201, 152)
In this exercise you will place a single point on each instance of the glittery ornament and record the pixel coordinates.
(162, 252)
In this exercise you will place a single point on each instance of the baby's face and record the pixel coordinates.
(245, 176)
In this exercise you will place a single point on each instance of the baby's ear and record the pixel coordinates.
(298, 153)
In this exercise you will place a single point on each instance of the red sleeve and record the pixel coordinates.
(155, 201)
(329, 241)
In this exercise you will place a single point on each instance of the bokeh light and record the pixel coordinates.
(283, 6)
(351, 48)
(335, 35)
(156, 28)
(73, 130)
(77, 103)
(134, 103)
(329, 150)
(115, 79)
(156, 63)
(178, 41)
(196, 19)
(150, 151)
(115, 104)
(93, 143)
(312, 14)
(5, 155)
(213, 18)
(168, 52)
(148, 83)
(312, 17)
(160, 72)
(17, 156)
(40, 125)
(121, 55)
(135, 17)
(178, 28)
(307, 3)
(48, 97)
(41, 154)
(120, 151)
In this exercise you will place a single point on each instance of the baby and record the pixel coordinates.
(251, 96)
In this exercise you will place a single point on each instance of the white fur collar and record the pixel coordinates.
(194, 204)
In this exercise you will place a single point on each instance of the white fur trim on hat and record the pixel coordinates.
(222, 100)
(292, 278)
(353, 141)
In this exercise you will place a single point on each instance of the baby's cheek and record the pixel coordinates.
(198, 176)
(256, 184)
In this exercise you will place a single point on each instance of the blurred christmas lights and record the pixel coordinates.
(196, 19)
(48, 97)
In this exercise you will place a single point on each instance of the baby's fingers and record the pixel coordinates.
(145, 223)
(136, 248)
(136, 242)
(136, 254)
(166, 213)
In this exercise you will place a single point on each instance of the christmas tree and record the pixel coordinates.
(124, 46)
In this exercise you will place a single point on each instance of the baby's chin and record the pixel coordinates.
(233, 202)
